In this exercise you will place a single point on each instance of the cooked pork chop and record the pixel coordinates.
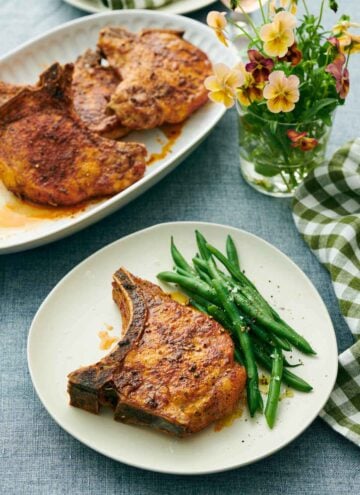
(173, 370)
(7, 91)
(49, 156)
(93, 86)
(162, 76)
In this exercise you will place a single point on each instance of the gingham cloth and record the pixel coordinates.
(135, 4)
(326, 211)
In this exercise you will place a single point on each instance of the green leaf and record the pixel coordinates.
(333, 5)
(315, 109)
(266, 170)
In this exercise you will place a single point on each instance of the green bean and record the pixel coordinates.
(179, 259)
(276, 327)
(259, 332)
(238, 275)
(274, 388)
(270, 336)
(197, 306)
(200, 264)
(246, 287)
(268, 349)
(220, 316)
(254, 396)
(231, 252)
(279, 341)
(182, 272)
(238, 356)
(288, 377)
(201, 272)
(199, 299)
(235, 272)
(191, 283)
(201, 243)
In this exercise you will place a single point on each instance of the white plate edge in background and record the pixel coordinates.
(177, 7)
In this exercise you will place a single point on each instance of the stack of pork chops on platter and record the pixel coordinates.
(58, 138)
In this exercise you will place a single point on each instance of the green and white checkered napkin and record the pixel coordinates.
(326, 211)
(135, 4)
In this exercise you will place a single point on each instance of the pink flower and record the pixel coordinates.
(334, 42)
(259, 66)
(340, 74)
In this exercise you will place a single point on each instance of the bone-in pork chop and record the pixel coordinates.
(173, 370)
(49, 156)
(162, 76)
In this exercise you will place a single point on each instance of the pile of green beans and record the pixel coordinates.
(259, 334)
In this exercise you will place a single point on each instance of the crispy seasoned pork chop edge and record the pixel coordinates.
(85, 386)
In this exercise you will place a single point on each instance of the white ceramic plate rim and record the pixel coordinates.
(110, 205)
(179, 7)
(197, 225)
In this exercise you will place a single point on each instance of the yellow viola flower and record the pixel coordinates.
(217, 21)
(223, 84)
(281, 92)
(290, 5)
(342, 26)
(293, 7)
(278, 35)
(349, 43)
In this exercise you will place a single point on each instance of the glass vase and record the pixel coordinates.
(270, 161)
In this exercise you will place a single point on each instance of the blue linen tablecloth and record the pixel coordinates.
(36, 455)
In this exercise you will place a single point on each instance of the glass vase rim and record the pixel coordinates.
(243, 109)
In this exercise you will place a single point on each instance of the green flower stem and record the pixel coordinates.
(320, 14)
(306, 7)
(262, 11)
(244, 32)
(249, 20)
(285, 181)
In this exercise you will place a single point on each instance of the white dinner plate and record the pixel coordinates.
(64, 44)
(177, 7)
(64, 336)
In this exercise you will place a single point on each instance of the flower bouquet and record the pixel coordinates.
(286, 93)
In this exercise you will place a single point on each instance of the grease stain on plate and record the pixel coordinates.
(230, 418)
(20, 213)
(106, 340)
(172, 133)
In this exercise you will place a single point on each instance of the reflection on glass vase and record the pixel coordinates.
(275, 156)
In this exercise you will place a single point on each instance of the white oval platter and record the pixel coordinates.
(64, 44)
(64, 336)
(176, 7)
